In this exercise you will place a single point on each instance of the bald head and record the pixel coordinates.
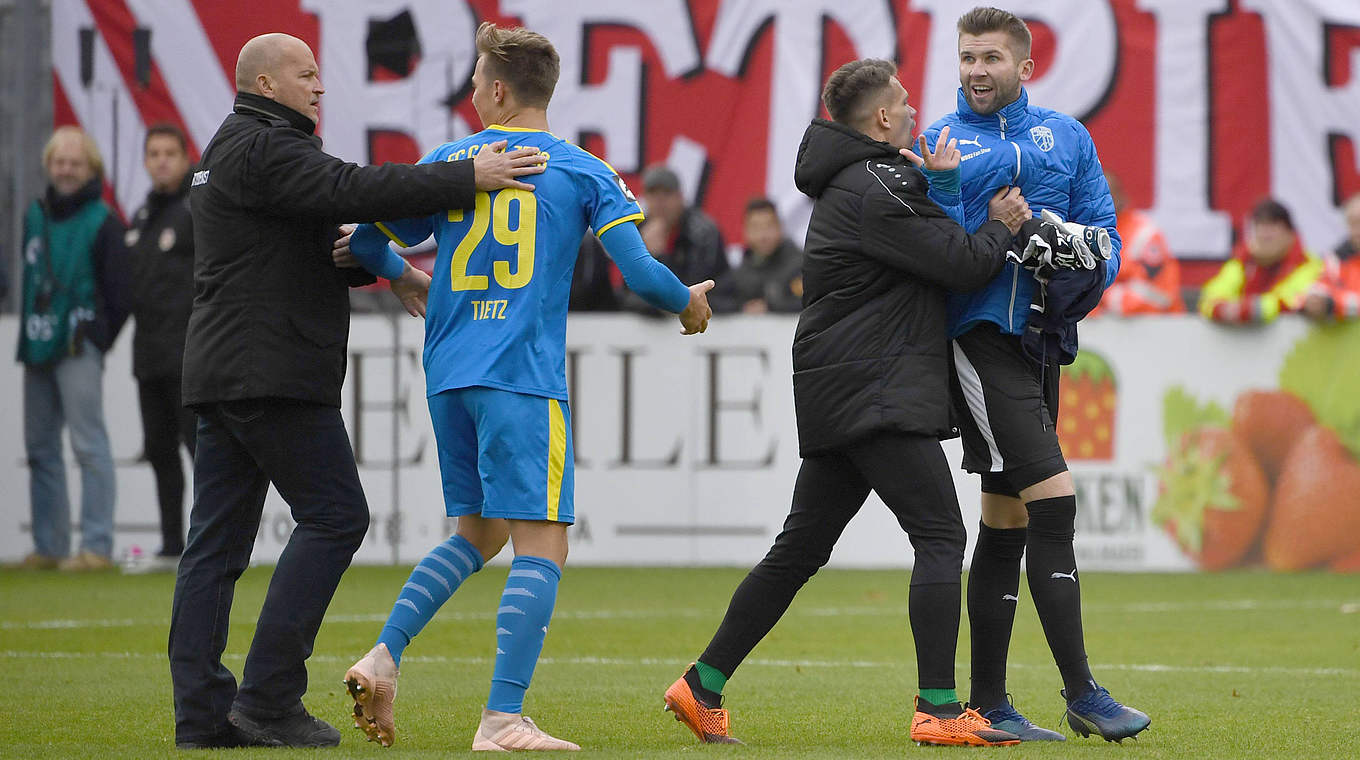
(281, 67)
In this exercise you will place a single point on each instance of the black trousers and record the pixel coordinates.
(243, 446)
(165, 425)
(912, 477)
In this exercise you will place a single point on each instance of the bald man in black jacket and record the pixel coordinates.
(263, 367)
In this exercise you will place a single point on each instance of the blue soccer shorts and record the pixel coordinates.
(504, 454)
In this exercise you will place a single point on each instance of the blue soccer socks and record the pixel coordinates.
(521, 625)
(431, 584)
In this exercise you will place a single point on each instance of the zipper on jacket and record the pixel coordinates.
(1015, 283)
(1003, 125)
(1016, 178)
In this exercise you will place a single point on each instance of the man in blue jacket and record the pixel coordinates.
(1008, 340)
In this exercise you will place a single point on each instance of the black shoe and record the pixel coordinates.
(300, 730)
(228, 738)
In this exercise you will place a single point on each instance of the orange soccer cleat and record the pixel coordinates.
(707, 723)
(966, 729)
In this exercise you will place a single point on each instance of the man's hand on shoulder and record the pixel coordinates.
(695, 316)
(494, 168)
(412, 288)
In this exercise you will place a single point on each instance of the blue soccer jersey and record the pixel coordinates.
(497, 310)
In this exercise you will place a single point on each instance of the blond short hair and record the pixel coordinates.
(982, 20)
(525, 60)
(91, 149)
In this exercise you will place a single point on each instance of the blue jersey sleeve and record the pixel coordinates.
(369, 246)
(608, 201)
(643, 274)
(369, 242)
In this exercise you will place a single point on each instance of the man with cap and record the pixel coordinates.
(680, 236)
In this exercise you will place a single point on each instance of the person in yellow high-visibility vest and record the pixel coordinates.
(1270, 273)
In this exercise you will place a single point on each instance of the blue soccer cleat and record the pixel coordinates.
(1005, 717)
(1096, 712)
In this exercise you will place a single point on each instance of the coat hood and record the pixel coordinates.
(827, 148)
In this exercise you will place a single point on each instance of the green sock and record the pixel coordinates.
(939, 696)
(711, 678)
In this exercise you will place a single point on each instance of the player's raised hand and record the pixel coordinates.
(695, 316)
(412, 288)
(494, 168)
(341, 256)
(946, 155)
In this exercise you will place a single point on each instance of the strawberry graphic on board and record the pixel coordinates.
(1086, 415)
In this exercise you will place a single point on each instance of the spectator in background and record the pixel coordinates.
(592, 286)
(682, 237)
(1268, 274)
(74, 303)
(1337, 294)
(1149, 280)
(162, 243)
(770, 278)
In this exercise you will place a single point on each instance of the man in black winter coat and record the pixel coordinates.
(161, 239)
(770, 278)
(263, 367)
(870, 385)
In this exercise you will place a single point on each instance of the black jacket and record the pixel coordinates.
(271, 313)
(162, 242)
(871, 351)
(770, 280)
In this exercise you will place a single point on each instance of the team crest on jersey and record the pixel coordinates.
(1043, 137)
(167, 240)
(623, 186)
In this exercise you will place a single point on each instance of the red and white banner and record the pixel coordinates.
(1201, 107)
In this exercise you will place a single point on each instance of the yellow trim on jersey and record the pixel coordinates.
(630, 218)
(383, 228)
(502, 128)
(557, 455)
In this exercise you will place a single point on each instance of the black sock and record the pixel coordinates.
(946, 710)
(993, 591)
(934, 610)
(706, 697)
(1054, 584)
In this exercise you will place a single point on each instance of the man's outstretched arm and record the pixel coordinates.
(656, 284)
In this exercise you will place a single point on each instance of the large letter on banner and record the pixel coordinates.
(613, 108)
(416, 105)
(796, 77)
(1083, 65)
(1181, 204)
(1305, 111)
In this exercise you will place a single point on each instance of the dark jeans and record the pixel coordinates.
(243, 446)
(910, 474)
(165, 425)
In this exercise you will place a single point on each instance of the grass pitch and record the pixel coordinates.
(1235, 665)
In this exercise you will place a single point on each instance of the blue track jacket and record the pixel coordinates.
(1051, 157)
